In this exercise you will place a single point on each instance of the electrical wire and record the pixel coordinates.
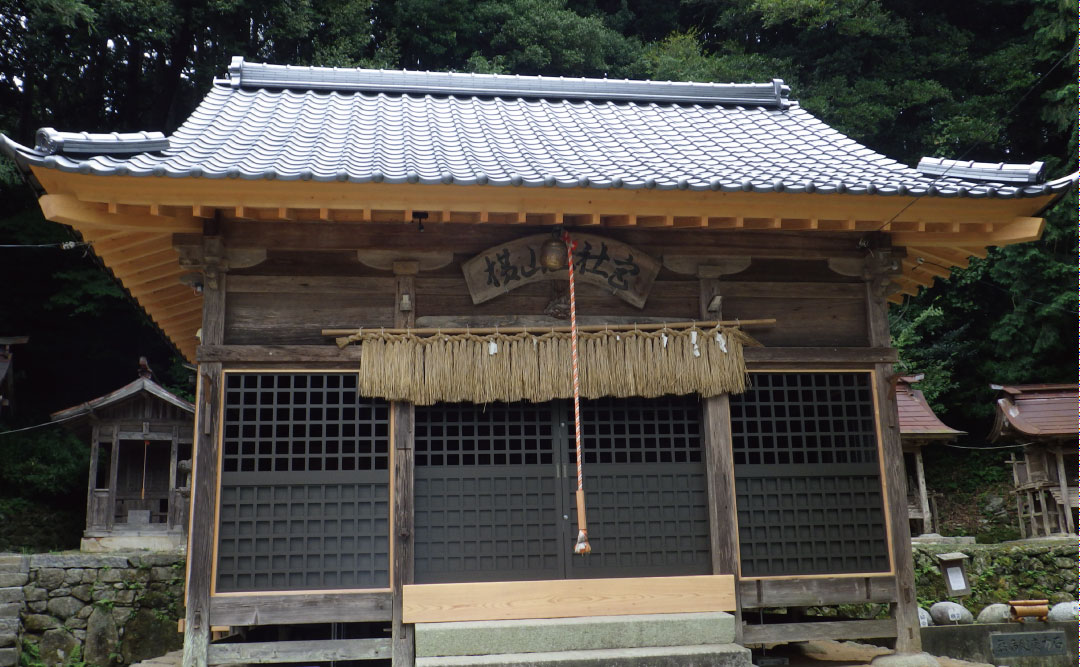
(920, 261)
(979, 141)
(66, 245)
(48, 423)
(1025, 444)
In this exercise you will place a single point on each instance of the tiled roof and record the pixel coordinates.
(1036, 410)
(917, 418)
(325, 124)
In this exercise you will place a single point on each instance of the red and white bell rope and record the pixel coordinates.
(582, 546)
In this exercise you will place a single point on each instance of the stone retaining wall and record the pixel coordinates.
(104, 610)
(1036, 569)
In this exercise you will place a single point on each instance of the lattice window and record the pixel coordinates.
(305, 484)
(636, 430)
(300, 422)
(807, 483)
(801, 418)
(465, 434)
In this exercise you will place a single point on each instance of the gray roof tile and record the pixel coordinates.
(324, 124)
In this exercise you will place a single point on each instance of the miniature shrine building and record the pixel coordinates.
(919, 427)
(1042, 418)
(140, 456)
(358, 262)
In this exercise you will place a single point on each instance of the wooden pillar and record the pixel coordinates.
(174, 443)
(92, 481)
(1066, 498)
(204, 479)
(1046, 500)
(402, 415)
(719, 474)
(114, 469)
(906, 610)
(924, 501)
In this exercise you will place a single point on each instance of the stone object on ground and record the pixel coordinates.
(905, 660)
(995, 613)
(950, 613)
(925, 619)
(1064, 611)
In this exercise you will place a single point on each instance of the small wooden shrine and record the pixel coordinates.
(7, 375)
(366, 266)
(919, 427)
(140, 458)
(1042, 418)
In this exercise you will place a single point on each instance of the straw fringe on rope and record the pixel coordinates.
(536, 367)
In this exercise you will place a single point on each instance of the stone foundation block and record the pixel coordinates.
(14, 594)
(567, 634)
(9, 657)
(14, 563)
(716, 655)
(13, 579)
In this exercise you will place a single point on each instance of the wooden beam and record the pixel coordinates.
(506, 600)
(206, 194)
(68, 210)
(330, 353)
(253, 610)
(306, 652)
(803, 592)
(820, 355)
(783, 633)
(1020, 230)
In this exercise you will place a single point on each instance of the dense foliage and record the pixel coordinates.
(977, 79)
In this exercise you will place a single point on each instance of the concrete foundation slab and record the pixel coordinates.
(707, 655)
(568, 634)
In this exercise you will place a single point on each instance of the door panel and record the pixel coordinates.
(495, 490)
(645, 488)
(487, 500)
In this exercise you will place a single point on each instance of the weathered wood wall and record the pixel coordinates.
(315, 280)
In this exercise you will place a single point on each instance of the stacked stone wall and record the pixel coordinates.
(98, 610)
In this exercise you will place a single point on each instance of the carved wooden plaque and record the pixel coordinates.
(627, 272)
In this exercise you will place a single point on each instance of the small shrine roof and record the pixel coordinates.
(1036, 411)
(141, 384)
(917, 418)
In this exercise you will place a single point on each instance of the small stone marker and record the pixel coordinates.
(926, 620)
(950, 613)
(1063, 611)
(1027, 644)
(995, 613)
